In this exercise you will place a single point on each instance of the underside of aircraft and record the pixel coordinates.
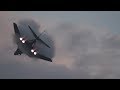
(26, 46)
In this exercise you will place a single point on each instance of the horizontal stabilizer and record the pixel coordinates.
(17, 52)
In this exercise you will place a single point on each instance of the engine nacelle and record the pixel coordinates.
(22, 39)
(34, 51)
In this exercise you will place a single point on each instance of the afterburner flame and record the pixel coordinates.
(32, 50)
(35, 53)
(21, 39)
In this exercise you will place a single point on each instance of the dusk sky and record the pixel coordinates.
(86, 45)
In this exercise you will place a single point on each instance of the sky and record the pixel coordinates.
(85, 45)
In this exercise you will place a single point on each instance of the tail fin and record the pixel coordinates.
(16, 29)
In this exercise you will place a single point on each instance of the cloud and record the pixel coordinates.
(79, 51)
(94, 51)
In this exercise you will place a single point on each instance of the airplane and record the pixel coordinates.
(26, 46)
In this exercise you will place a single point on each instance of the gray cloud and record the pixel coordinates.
(94, 51)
